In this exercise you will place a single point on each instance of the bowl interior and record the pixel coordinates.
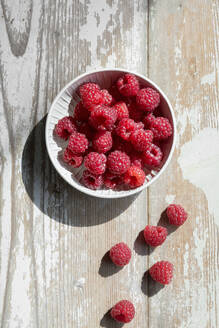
(63, 105)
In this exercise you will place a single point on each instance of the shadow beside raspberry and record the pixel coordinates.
(108, 322)
(107, 267)
(141, 247)
(164, 222)
(150, 287)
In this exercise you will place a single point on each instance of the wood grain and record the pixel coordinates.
(53, 239)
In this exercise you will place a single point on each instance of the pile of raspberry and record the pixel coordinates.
(115, 134)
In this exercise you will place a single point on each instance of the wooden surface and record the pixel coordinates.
(53, 238)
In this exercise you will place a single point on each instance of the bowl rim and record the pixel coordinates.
(130, 192)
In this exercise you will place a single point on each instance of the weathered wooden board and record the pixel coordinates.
(52, 237)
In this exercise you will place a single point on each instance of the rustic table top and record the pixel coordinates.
(53, 238)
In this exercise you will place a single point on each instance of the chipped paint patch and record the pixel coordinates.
(199, 162)
(170, 198)
(208, 78)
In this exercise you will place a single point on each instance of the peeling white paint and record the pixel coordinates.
(208, 78)
(199, 161)
(79, 283)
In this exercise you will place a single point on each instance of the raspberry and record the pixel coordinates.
(107, 98)
(152, 156)
(141, 139)
(125, 127)
(121, 144)
(136, 159)
(148, 120)
(65, 127)
(123, 311)
(162, 272)
(78, 143)
(90, 94)
(81, 113)
(118, 162)
(134, 177)
(91, 180)
(115, 93)
(120, 254)
(128, 85)
(147, 99)
(95, 163)
(176, 214)
(102, 141)
(71, 158)
(103, 118)
(122, 110)
(86, 129)
(111, 180)
(161, 128)
(134, 113)
(155, 236)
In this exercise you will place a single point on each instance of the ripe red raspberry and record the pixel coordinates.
(136, 159)
(72, 159)
(95, 163)
(125, 127)
(152, 156)
(122, 110)
(91, 180)
(78, 143)
(81, 113)
(107, 98)
(118, 162)
(90, 94)
(128, 85)
(162, 272)
(147, 99)
(111, 180)
(120, 254)
(176, 214)
(141, 139)
(123, 311)
(102, 141)
(134, 112)
(155, 236)
(86, 129)
(148, 120)
(134, 177)
(103, 118)
(65, 127)
(161, 128)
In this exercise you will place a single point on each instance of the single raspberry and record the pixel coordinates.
(141, 139)
(81, 113)
(128, 85)
(134, 177)
(107, 98)
(95, 163)
(161, 128)
(147, 99)
(90, 94)
(148, 120)
(103, 118)
(155, 236)
(92, 181)
(65, 127)
(136, 159)
(78, 143)
(86, 129)
(123, 311)
(102, 141)
(152, 156)
(120, 254)
(118, 162)
(72, 159)
(134, 112)
(111, 180)
(176, 214)
(162, 272)
(122, 110)
(125, 127)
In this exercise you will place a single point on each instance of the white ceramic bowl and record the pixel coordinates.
(61, 107)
